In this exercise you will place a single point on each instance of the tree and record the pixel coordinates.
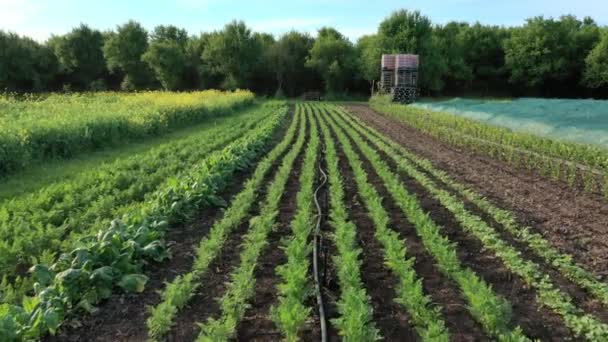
(288, 56)
(123, 51)
(596, 70)
(484, 53)
(25, 65)
(334, 58)
(232, 53)
(452, 49)
(80, 55)
(548, 51)
(166, 56)
(369, 52)
(411, 32)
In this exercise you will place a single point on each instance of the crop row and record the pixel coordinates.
(582, 324)
(569, 162)
(241, 286)
(291, 312)
(36, 227)
(491, 310)
(178, 292)
(62, 126)
(537, 243)
(115, 256)
(355, 321)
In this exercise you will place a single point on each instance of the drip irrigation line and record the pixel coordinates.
(315, 260)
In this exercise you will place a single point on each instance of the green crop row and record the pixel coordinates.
(62, 126)
(563, 262)
(582, 324)
(355, 322)
(427, 319)
(241, 287)
(178, 292)
(491, 310)
(36, 227)
(114, 257)
(291, 312)
(556, 159)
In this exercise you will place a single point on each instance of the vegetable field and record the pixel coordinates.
(307, 221)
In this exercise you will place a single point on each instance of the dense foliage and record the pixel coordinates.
(62, 126)
(563, 57)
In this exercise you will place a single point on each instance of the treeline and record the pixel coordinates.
(565, 57)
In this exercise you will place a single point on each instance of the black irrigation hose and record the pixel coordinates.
(315, 260)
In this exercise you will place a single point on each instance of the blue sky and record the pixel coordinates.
(40, 18)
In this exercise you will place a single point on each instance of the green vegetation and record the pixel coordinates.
(61, 126)
(291, 312)
(37, 226)
(79, 279)
(555, 57)
(581, 323)
(563, 262)
(491, 310)
(427, 319)
(241, 287)
(355, 322)
(177, 293)
(570, 162)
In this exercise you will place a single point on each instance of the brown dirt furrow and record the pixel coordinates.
(573, 221)
(582, 297)
(205, 303)
(443, 291)
(390, 318)
(257, 325)
(536, 321)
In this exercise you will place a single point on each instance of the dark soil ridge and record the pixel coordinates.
(257, 324)
(205, 302)
(537, 322)
(391, 319)
(573, 221)
(326, 249)
(581, 296)
(443, 291)
(123, 316)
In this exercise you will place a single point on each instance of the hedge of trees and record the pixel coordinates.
(565, 57)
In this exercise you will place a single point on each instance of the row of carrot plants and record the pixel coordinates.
(582, 324)
(291, 312)
(550, 157)
(178, 292)
(427, 319)
(355, 322)
(114, 257)
(65, 125)
(35, 227)
(491, 310)
(537, 243)
(241, 286)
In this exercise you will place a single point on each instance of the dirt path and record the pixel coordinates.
(575, 222)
